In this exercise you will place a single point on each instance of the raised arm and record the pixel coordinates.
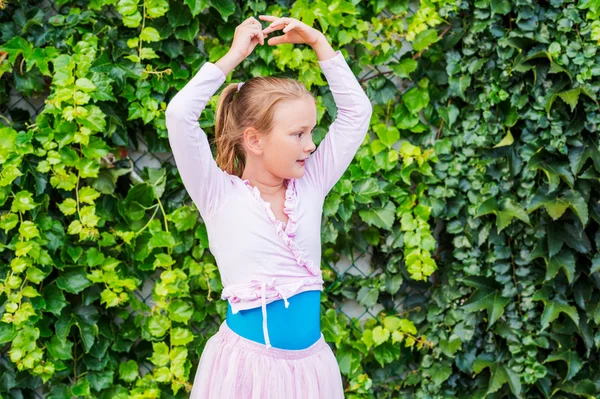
(335, 152)
(347, 132)
(206, 183)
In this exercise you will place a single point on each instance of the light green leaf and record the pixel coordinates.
(150, 34)
(128, 371)
(424, 39)
(380, 335)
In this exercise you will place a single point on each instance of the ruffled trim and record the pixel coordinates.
(287, 231)
(236, 293)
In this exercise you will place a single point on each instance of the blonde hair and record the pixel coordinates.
(252, 106)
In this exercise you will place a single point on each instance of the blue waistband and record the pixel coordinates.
(295, 327)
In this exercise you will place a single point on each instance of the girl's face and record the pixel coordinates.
(290, 142)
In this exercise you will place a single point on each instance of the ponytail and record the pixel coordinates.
(230, 154)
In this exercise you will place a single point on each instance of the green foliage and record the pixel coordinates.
(484, 135)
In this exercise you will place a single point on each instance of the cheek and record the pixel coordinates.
(281, 150)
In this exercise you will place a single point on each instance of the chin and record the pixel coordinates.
(295, 175)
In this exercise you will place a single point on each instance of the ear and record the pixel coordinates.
(253, 141)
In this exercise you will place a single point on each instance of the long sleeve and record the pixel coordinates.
(347, 132)
(206, 183)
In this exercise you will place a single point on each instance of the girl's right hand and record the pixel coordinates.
(247, 35)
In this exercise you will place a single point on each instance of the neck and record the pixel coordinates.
(265, 182)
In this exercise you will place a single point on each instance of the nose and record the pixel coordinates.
(311, 147)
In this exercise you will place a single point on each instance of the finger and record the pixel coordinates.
(267, 17)
(278, 24)
(256, 32)
(276, 40)
(254, 21)
(289, 27)
(253, 27)
(261, 37)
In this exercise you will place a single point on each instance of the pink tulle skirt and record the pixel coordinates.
(234, 367)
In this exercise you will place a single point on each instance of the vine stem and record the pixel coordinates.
(512, 261)
(152, 218)
(77, 195)
(143, 24)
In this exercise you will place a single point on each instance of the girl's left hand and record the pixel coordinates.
(296, 32)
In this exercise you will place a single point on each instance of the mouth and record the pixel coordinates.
(301, 161)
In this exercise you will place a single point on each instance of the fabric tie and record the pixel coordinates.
(263, 296)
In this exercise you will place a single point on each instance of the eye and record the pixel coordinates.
(299, 134)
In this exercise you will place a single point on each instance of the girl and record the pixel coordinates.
(261, 201)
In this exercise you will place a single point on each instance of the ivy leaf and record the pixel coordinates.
(564, 260)
(128, 371)
(458, 85)
(556, 205)
(156, 8)
(449, 114)
(138, 199)
(367, 296)
(183, 218)
(380, 335)
(133, 20)
(181, 336)
(492, 301)
(439, 373)
(60, 349)
(225, 7)
(100, 380)
(158, 325)
(500, 374)
(73, 281)
(196, 6)
(84, 84)
(365, 189)
(23, 202)
(95, 120)
(127, 7)
(507, 140)
(55, 299)
(572, 359)
(404, 68)
(7, 332)
(150, 34)
(180, 16)
(579, 155)
(160, 354)
(162, 239)
(388, 135)
(554, 170)
(595, 264)
(553, 308)
(571, 97)
(424, 39)
(88, 195)
(180, 311)
(380, 217)
(585, 388)
(81, 388)
(501, 7)
(188, 32)
(506, 211)
(415, 99)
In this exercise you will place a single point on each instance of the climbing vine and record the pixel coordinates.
(475, 195)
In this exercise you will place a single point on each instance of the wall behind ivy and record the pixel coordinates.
(460, 249)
